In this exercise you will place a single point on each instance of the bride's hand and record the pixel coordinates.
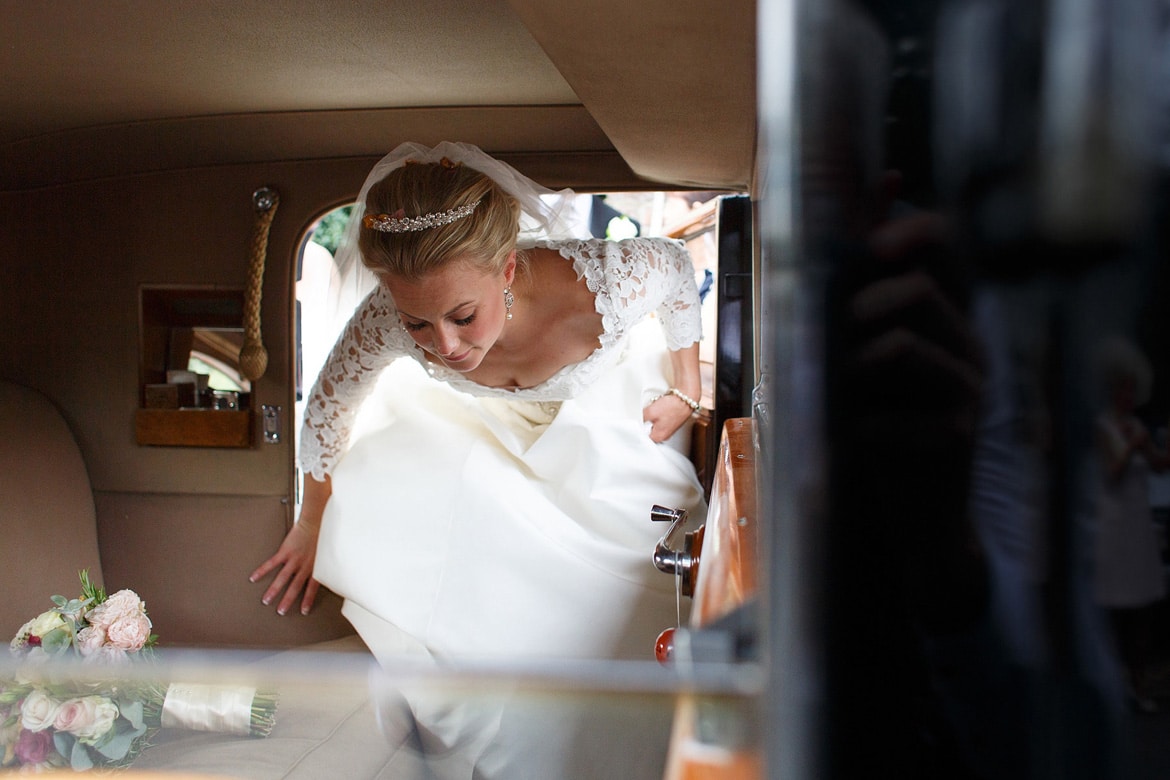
(294, 559)
(666, 415)
(297, 553)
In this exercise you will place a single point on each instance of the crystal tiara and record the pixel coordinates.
(403, 224)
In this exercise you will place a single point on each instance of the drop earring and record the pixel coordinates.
(509, 299)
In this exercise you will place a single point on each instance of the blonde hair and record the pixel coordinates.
(487, 236)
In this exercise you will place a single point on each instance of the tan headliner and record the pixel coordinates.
(126, 86)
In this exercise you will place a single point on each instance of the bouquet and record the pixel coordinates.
(50, 720)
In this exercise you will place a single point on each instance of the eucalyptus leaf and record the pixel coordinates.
(63, 742)
(132, 712)
(118, 745)
(68, 747)
(56, 640)
(60, 601)
(80, 759)
(75, 605)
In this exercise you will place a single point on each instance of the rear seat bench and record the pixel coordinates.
(51, 532)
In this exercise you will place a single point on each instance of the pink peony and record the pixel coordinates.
(34, 747)
(90, 640)
(123, 604)
(122, 618)
(130, 633)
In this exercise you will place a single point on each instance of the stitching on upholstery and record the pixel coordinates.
(352, 714)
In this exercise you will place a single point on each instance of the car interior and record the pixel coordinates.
(167, 171)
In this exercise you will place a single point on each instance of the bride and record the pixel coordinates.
(498, 504)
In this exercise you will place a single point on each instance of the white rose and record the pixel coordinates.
(38, 627)
(88, 718)
(27, 641)
(46, 622)
(39, 711)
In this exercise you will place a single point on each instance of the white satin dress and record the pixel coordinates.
(473, 523)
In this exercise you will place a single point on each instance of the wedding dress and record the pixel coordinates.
(469, 522)
(501, 523)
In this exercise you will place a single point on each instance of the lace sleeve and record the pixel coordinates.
(679, 309)
(643, 275)
(370, 341)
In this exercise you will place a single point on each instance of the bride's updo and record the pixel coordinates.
(487, 234)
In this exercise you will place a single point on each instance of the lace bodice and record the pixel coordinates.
(630, 279)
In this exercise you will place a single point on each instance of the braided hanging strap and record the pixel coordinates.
(253, 355)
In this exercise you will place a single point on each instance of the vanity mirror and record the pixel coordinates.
(192, 392)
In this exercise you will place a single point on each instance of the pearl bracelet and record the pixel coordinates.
(696, 407)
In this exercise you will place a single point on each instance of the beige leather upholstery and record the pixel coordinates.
(50, 532)
(327, 725)
(46, 508)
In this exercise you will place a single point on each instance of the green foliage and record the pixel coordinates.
(67, 745)
(331, 228)
(263, 714)
(95, 594)
(57, 641)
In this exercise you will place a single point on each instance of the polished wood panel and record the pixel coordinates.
(727, 577)
(728, 560)
(193, 427)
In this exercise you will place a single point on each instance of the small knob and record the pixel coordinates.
(265, 198)
(664, 647)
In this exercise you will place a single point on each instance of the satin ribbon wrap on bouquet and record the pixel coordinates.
(225, 709)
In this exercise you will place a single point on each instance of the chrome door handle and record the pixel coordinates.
(684, 562)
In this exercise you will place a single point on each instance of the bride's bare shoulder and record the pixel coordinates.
(553, 273)
(545, 259)
(564, 298)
